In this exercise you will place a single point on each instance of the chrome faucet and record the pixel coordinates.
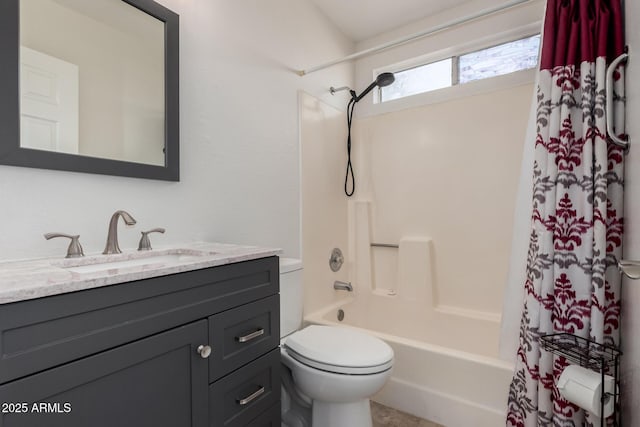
(342, 286)
(112, 238)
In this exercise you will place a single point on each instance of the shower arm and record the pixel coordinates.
(333, 90)
(381, 80)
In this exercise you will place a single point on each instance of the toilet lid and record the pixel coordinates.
(340, 350)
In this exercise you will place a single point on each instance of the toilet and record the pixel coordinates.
(329, 372)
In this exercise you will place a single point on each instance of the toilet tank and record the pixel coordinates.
(291, 295)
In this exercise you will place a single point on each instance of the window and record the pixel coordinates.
(494, 61)
(424, 78)
(498, 60)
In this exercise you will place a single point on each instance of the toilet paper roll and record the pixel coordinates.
(584, 388)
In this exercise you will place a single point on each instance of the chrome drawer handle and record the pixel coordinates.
(251, 397)
(251, 336)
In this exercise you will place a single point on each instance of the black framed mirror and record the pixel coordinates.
(90, 87)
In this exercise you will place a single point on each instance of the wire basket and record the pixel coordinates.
(584, 352)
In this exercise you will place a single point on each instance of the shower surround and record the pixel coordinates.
(438, 181)
(445, 174)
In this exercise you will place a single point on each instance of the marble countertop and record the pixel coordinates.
(37, 278)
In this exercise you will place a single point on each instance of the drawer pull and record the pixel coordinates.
(251, 397)
(204, 351)
(251, 336)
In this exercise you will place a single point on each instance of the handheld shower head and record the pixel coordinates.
(384, 79)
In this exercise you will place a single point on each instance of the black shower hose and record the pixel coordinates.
(350, 107)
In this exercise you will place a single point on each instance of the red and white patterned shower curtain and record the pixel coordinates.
(572, 284)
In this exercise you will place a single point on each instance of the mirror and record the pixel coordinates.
(92, 85)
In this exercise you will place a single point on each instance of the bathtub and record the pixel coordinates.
(446, 366)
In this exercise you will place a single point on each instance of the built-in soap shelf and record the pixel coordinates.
(591, 355)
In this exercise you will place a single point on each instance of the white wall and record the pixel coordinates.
(630, 340)
(239, 141)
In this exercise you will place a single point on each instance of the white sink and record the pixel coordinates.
(143, 261)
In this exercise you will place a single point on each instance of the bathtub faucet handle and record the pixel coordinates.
(336, 260)
(342, 286)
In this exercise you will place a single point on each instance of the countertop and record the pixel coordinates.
(37, 278)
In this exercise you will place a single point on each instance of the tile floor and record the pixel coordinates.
(383, 416)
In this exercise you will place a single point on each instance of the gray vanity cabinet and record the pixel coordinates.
(156, 381)
(128, 354)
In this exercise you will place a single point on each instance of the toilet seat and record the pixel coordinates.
(339, 350)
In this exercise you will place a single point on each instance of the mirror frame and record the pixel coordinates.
(11, 153)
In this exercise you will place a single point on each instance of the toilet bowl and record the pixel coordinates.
(338, 369)
(329, 372)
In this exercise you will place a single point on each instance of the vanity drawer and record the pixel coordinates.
(237, 399)
(270, 418)
(239, 335)
(41, 333)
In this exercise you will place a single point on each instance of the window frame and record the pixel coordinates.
(454, 53)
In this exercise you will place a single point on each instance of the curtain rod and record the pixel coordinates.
(415, 36)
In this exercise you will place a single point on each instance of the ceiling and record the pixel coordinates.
(362, 19)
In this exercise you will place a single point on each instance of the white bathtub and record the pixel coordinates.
(446, 367)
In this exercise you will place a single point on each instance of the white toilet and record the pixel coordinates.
(329, 372)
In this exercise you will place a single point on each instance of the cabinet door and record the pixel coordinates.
(157, 381)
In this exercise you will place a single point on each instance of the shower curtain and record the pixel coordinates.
(571, 283)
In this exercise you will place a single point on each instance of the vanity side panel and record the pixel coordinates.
(42, 333)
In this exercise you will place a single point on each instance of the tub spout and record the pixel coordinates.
(342, 286)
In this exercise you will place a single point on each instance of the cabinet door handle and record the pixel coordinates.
(251, 336)
(204, 351)
(251, 397)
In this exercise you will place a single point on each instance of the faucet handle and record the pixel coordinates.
(145, 243)
(75, 249)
